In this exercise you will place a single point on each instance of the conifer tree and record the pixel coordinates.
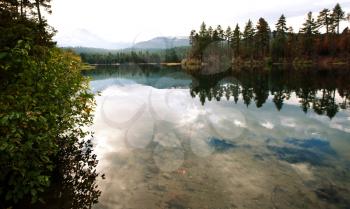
(248, 38)
(324, 19)
(236, 39)
(262, 37)
(337, 16)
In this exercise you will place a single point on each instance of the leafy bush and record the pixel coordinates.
(44, 103)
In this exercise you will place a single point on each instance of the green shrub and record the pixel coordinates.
(44, 103)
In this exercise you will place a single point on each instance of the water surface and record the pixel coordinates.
(269, 139)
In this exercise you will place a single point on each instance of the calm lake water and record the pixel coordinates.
(272, 139)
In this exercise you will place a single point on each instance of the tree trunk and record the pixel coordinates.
(338, 27)
(37, 3)
(21, 9)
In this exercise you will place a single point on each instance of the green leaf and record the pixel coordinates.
(3, 55)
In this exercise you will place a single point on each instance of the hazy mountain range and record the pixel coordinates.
(100, 45)
(162, 43)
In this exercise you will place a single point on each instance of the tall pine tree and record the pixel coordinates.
(262, 37)
(324, 19)
(337, 16)
(236, 39)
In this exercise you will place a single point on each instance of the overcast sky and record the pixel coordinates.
(99, 23)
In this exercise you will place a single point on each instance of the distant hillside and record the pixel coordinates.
(162, 43)
(91, 50)
(85, 38)
(153, 45)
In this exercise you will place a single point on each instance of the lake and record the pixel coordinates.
(249, 139)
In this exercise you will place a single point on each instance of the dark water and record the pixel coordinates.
(250, 139)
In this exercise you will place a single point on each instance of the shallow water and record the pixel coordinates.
(243, 140)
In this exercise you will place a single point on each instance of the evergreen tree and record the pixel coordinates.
(309, 30)
(210, 32)
(215, 36)
(337, 16)
(248, 38)
(228, 34)
(203, 30)
(236, 39)
(192, 37)
(324, 19)
(281, 26)
(262, 37)
(310, 25)
(46, 5)
(279, 41)
(291, 47)
(220, 32)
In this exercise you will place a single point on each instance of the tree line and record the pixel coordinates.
(175, 54)
(259, 41)
(44, 102)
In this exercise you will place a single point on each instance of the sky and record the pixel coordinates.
(117, 24)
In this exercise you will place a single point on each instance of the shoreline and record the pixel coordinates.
(196, 66)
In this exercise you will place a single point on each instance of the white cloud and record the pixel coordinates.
(267, 125)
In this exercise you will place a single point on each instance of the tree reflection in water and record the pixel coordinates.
(314, 90)
(74, 181)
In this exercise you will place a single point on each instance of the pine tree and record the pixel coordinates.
(192, 37)
(309, 30)
(324, 19)
(228, 34)
(262, 37)
(291, 48)
(248, 38)
(337, 15)
(220, 32)
(210, 32)
(281, 26)
(236, 39)
(203, 30)
(280, 38)
(46, 5)
(310, 25)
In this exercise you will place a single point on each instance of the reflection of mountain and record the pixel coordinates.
(160, 77)
(325, 94)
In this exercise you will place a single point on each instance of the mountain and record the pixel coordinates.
(162, 43)
(91, 50)
(102, 47)
(86, 39)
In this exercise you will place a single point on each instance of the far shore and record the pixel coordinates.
(88, 66)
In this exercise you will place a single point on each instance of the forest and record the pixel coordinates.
(106, 57)
(44, 102)
(319, 39)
